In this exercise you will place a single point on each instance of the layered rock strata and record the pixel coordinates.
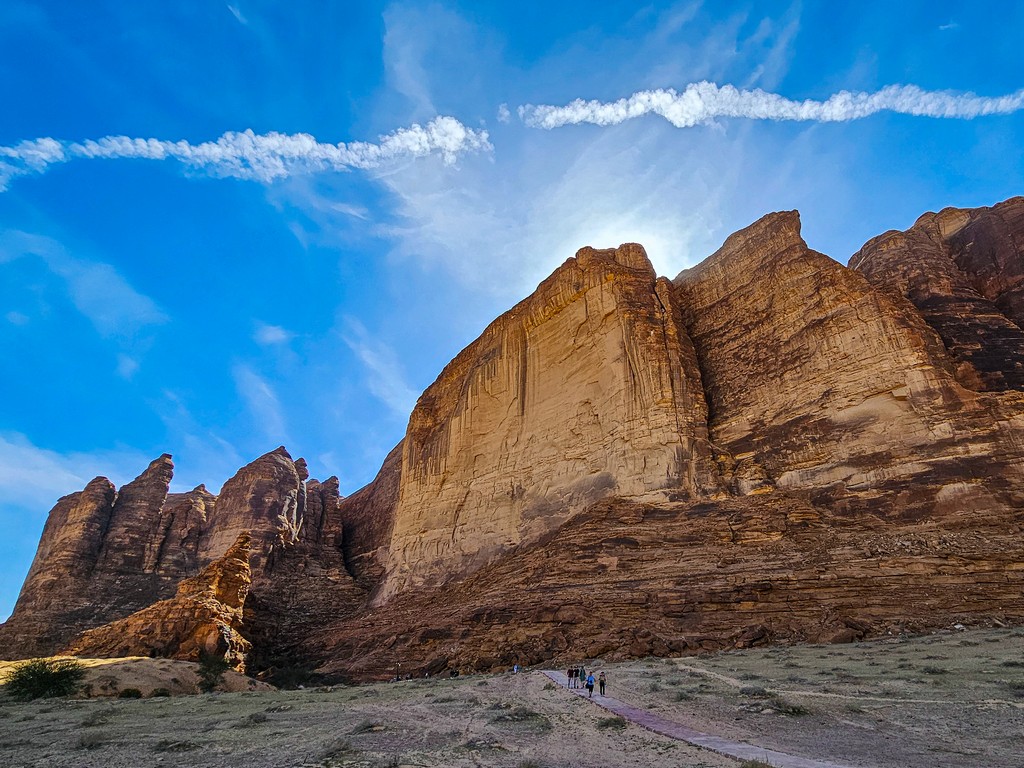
(203, 617)
(586, 389)
(106, 554)
(770, 447)
(628, 580)
(964, 271)
(820, 384)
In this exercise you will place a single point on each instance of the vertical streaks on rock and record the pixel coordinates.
(812, 375)
(578, 392)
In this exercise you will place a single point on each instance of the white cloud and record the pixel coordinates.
(238, 14)
(386, 380)
(126, 366)
(503, 114)
(704, 101)
(97, 290)
(34, 478)
(262, 402)
(16, 318)
(259, 157)
(268, 335)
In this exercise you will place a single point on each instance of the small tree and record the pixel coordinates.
(44, 678)
(211, 670)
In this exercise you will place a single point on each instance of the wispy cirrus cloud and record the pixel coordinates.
(263, 157)
(704, 101)
(262, 403)
(386, 380)
(96, 288)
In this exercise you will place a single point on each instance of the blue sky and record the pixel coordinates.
(249, 290)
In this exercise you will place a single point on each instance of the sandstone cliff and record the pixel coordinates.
(964, 271)
(203, 617)
(105, 555)
(586, 389)
(770, 447)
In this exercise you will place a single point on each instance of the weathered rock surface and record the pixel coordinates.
(771, 447)
(90, 567)
(822, 385)
(203, 617)
(105, 555)
(627, 579)
(964, 271)
(586, 389)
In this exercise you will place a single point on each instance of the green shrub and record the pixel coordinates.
(130, 693)
(44, 678)
(211, 670)
(160, 693)
(616, 723)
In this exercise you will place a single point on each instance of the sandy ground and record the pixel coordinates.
(948, 699)
(951, 699)
(108, 677)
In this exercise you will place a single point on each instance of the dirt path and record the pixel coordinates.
(675, 730)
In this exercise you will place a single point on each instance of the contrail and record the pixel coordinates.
(247, 155)
(702, 102)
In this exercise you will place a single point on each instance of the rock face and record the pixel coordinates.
(770, 447)
(964, 271)
(95, 545)
(204, 616)
(586, 389)
(105, 556)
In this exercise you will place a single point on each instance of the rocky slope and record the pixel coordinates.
(203, 617)
(964, 271)
(772, 446)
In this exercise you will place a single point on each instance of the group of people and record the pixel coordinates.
(579, 678)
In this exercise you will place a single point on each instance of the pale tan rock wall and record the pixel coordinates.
(585, 389)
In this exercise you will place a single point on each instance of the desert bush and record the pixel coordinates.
(337, 748)
(43, 678)
(755, 764)
(130, 693)
(681, 696)
(159, 693)
(254, 718)
(367, 726)
(529, 764)
(930, 669)
(524, 716)
(170, 745)
(614, 723)
(91, 740)
(785, 707)
(95, 718)
(549, 686)
(211, 671)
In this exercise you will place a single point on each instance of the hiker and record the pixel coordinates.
(570, 677)
(582, 675)
(590, 684)
(515, 669)
(600, 682)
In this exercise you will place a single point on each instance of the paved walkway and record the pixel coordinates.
(653, 722)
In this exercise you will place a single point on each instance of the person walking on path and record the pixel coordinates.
(570, 677)
(601, 681)
(590, 684)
